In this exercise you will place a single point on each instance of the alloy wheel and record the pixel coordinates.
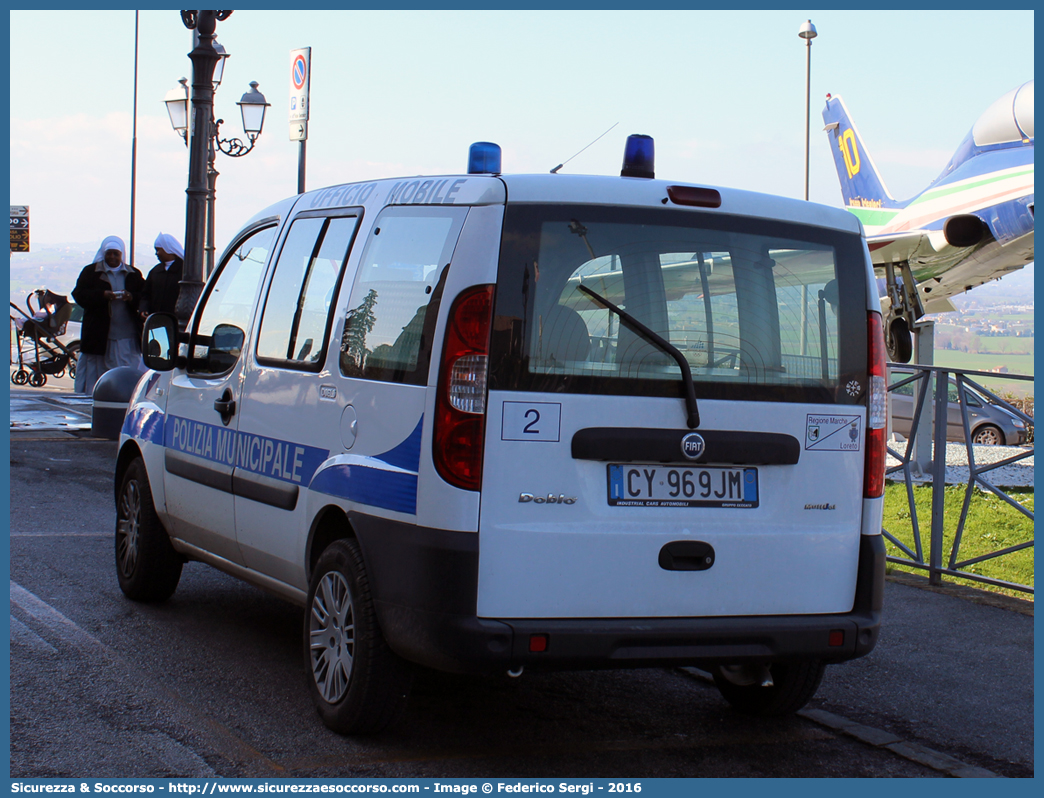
(332, 637)
(128, 527)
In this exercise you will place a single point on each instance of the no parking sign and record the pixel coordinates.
(300, 78)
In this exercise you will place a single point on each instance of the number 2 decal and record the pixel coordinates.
(531, 421)
(530, 428)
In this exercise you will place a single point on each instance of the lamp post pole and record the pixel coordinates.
(204, 57)
(134, 143)
(212, 172)
(208, 66)
(212, 176)
(808, 33)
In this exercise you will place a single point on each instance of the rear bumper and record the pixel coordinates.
(425, 585)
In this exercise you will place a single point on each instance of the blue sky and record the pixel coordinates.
(406, 92)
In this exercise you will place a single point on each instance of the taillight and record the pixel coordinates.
(460, 405)
(877, 409)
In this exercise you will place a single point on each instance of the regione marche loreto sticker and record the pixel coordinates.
(831, 433)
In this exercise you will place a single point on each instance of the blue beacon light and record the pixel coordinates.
(484, 158)
(639, 157)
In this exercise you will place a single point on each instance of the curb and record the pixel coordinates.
(25, 435)
(915, 752)
(977, 595)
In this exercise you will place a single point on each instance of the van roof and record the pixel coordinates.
(485, 189)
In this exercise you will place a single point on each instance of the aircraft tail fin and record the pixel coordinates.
(861, 184)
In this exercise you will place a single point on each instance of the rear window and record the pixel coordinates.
(754, 306)
(389, 326)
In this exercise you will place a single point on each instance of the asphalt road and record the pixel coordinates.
(212, 684)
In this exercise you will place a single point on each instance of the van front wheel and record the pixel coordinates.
(147, 567)
(792, 686)
(358, 684)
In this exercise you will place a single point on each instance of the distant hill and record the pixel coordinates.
(56, 267)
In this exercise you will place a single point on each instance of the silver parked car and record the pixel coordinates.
(989, 423)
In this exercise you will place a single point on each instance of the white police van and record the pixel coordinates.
(482, 423)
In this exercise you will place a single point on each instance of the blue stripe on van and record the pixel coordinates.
(406, 454)
(145, 424)
(287, 461)
(392, 490)
(370, 482)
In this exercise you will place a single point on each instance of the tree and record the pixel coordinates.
(358, 324)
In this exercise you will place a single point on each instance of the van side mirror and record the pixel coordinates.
(159, 342)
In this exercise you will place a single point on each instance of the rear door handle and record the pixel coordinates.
(686, 555)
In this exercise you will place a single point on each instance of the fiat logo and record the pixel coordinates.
(693, 446)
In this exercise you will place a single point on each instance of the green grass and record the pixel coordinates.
(1016, 363)
(1005, 345)
(992, 525)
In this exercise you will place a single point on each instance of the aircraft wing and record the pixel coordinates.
(895, 247)
(943, 271)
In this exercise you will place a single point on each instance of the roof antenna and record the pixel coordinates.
(567, 160)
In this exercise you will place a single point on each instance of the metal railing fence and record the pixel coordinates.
(932, 387)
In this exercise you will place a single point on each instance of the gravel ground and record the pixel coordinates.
(1019, 474)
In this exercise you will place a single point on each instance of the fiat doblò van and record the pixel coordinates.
(482, 423)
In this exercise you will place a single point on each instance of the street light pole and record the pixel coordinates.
(204, 58)
(134, 143)
(212, 176)
(808, 33)
(212, 172)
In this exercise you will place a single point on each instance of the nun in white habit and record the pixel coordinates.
(109, 290)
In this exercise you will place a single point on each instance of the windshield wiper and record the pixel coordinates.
(661, 343)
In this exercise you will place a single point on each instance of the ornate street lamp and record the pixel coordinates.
(219, 67)
(234, 147)
(204, 59)
(252, 107)
(177, 108)
(177, 99)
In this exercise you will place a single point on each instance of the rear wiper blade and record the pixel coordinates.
(658, 341)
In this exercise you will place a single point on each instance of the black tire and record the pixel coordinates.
(147, 566)
(988, 435)
(900, 341)
(20, 377)
(793, 685)
(358, 684)
(38, 379)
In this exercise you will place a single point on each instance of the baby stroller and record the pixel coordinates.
(36, 336)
